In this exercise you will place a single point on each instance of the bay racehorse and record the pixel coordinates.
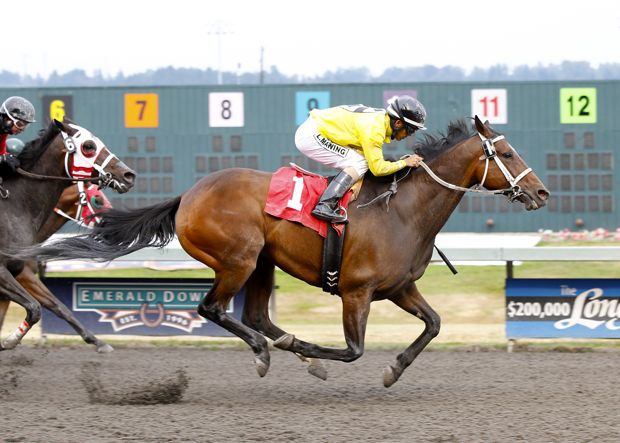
(64, 153)
(78, 203)
(221, 222)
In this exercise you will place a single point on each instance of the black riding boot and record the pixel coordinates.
(327, 207)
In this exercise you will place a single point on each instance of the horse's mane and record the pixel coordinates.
(431, 147)
(434, 145)
(35, 148)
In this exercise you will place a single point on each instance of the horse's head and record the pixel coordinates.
(502, 168)
(87, 157)
(95, 203)
(83, 204)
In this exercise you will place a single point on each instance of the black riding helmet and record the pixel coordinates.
(409, 110)
(18, 108)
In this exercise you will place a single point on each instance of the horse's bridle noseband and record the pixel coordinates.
(488, 147)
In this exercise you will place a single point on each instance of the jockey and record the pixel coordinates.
(351, 138)
(16, 113)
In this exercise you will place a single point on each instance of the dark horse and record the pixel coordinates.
(64, 153)
(220, 221)
(70, 206)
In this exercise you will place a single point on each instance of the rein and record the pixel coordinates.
(460, 188)
(5, 193)
(490, 153)
(33, 176)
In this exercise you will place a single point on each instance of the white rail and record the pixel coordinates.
(533, 253)
(497, 252)
(488, 252)
(174, 252)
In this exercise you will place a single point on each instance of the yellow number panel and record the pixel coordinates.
(141, 110)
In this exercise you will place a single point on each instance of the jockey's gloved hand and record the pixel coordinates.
(11, 161)
(413, 160)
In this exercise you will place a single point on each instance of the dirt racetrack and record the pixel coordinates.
(76, 395)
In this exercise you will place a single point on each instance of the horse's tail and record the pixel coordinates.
(120, 232)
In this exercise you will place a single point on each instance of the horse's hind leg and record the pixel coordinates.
(412, 302)
(4, 307)
(42, 294)
(258, 290)
(11, 290)
(213, 307)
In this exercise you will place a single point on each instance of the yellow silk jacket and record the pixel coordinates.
(362, 128)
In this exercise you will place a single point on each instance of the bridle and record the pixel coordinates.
(514, 192)
(79, 166)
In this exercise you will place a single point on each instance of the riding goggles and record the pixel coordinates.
(17, 122)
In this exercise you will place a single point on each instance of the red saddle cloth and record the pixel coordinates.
(293, 194)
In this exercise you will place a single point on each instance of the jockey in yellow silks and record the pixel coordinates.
(351, 138)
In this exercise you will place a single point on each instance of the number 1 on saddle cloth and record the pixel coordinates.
(293, 193)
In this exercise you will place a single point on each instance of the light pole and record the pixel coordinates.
(218, 29)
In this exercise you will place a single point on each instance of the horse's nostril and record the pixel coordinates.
(129, 177)
(543, 194)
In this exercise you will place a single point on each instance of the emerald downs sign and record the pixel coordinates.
(136, 306)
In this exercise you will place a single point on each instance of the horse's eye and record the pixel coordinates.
(89, 148)
(507, 154)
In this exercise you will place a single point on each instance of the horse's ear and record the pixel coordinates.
(482, 128)
(58, 124)
(479, 125)
(65, 128)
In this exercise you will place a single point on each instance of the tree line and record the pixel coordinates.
(568, 70)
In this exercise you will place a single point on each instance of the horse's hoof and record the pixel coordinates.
(284, 342)
(9, 343)
(262, 366)
(317, 369)
(104, 348)
(390, 376)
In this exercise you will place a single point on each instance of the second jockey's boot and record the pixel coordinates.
(327, 207)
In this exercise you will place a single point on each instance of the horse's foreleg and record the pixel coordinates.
(42, 294)
(355, 309)
(214, 305)
(11, 290)
(259, 288)
(412, 302)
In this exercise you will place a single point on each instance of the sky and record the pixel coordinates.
(305, 38)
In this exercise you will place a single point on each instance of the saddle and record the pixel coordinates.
(293, 193)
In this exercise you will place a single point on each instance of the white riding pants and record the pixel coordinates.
(311, 143)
